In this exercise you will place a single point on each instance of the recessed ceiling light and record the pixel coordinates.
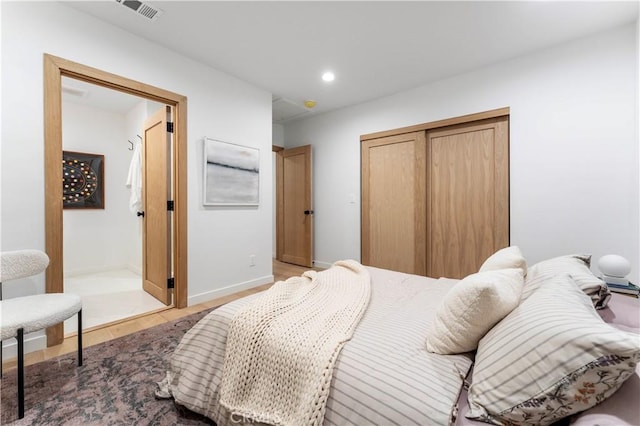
(328, 76)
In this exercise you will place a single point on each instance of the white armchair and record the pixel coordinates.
(22, 315)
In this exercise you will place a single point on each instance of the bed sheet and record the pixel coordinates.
(383, 375)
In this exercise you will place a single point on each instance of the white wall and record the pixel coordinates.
(220, 240)
(277, 134)
(573, 147)
(134, 122)
(98, 239)
(277, 138)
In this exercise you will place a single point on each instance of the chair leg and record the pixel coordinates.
(20, 338)
(80, 338)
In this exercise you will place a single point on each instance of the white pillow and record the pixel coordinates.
(506, 258)
(471, 308)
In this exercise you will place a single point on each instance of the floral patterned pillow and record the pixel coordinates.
(551, 357)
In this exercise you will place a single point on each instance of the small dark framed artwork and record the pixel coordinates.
(82, 180)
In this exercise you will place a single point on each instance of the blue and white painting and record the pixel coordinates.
(231, 174)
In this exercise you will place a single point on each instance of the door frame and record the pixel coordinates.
(54, 69)
(277, 211)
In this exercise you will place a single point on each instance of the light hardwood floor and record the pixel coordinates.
(281, 271)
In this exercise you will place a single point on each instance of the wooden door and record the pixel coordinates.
(294, 206)
(468, 196)
(156, 191)
(394, 202)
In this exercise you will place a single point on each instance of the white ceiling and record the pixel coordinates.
(80, 92)
(375, 48)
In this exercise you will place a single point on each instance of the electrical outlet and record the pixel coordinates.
(252, 260)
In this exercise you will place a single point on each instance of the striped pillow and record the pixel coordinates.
(576, 265)
(550, 357)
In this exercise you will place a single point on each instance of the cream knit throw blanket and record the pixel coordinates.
(282, 347)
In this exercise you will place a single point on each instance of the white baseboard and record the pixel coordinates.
(320, 264)
(225, 291)
(32, 343)
(95, 270)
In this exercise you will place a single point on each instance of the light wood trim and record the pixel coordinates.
(440, 123)
(113, 81)
(54, 69)
(365, 189)
(279, 205)
(502, 195)
(420, 213)
(180, 202)
(276, 148)
(52, 188)
(310, 234)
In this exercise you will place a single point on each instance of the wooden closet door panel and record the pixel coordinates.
(394, 203)
(468, 201)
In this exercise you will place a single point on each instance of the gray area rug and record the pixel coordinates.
(115, 386)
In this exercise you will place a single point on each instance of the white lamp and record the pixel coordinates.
(614, 269)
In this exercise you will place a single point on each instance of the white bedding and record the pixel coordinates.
(383, 375)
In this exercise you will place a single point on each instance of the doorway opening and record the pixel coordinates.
(102, 201)
(294, 206)
(54, 70)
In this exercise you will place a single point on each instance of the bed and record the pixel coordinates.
(385, 375)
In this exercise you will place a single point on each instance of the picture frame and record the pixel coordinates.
(82, 180)
(231, 174)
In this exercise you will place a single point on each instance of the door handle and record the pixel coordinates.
(140, 214)
(307, 212)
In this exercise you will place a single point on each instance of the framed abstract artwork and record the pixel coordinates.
(231, 174)
(82, 180)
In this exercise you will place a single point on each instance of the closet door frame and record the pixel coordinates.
(494, 113)
(425, 127)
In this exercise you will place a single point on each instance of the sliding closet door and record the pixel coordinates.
(394, 202)
(468, 196)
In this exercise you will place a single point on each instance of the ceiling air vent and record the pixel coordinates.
(142, 9)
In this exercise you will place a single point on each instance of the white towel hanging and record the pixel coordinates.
(134, 180)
